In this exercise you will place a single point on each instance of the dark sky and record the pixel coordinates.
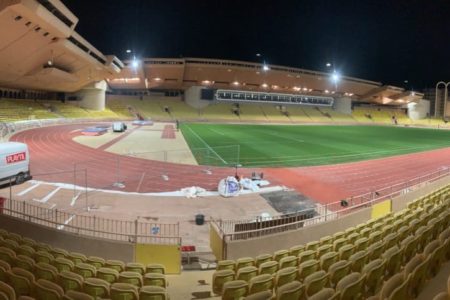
(387, 41)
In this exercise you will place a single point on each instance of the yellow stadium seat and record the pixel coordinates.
(7, 291)
(328, 259)
(262, 258)
(307, 268)
(46, 271)
(295, 250)
(260, 283)
(285, 276)
(288, 261)
(22, 281)
(395, 288)
(277, 255)
(155, 268)
(135, 267)
(290, 291)
(153, 293)
(123, 291)
(246, 273)
(306, 255)
(70, 281)
(95, 261)
(321, 250)
(226, 265)
(130, 277)
(325, 294)
(346, 251)
(63, 264)
(339, 270)
(351, 287)
(43, 256)
(244, 262)
(115, 264)
(75, 295)
(48, 290)
(374, 273)
(24, 262)
(268, 267)
(219, 279)
(108, 274)
(96, 288)
(315, 282)
(234, 290)
(155, 279)
(265, 295)
(85, 270)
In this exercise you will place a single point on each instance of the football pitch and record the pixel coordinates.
(289, 145)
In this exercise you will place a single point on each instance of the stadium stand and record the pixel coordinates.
(297, 114)
(18, 109)
(33, 269)
(219, 112)
(391, 257)
(275, 114)
(68, 110)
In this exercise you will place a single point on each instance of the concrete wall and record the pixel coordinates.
(343, 105)
(285, 240)
(71, 242)
(192, 97)
(93, 96)
(420, 110)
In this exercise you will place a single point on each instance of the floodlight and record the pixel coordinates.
(135, 63)
(335, 77)
(128, 51)
(266, 67)
(328, 65)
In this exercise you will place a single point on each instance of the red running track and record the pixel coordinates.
(53, 150)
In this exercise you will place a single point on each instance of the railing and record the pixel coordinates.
(257, 227)
(136, 231)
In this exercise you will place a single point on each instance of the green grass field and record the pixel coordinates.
(286, 145)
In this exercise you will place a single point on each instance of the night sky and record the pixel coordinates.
(386, 41)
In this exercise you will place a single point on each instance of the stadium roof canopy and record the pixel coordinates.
(39, 48)
(180, 74)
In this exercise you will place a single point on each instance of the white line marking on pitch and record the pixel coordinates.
(284, 137)
(51, 194)
(28, 189)
(206, 144)
(59, 227)
(216, 131)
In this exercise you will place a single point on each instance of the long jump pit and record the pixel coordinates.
(159, 142)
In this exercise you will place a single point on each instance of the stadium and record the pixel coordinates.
(199, 178)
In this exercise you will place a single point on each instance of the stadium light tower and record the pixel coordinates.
(265, 67)
(445, 84)
(135, 63)
(335, 77)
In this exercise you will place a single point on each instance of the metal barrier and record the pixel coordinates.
(252, 228)
(136, 231)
